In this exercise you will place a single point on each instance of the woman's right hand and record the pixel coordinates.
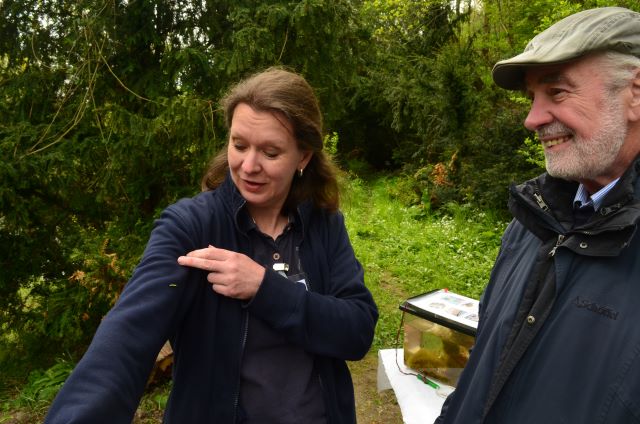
(231, 274)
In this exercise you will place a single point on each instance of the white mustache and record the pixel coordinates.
(554, 129)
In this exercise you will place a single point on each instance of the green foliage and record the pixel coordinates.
(330, 143)
(60, 313)
(152, 405)
(441, 98)
(533, 152)
(42, 386)
(406, 250)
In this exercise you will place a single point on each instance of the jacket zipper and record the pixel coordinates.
(540, 201)
(245, 333)
(242, 346)
(301, 270)
(559, 241)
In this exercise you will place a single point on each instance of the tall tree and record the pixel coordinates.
(108, 114)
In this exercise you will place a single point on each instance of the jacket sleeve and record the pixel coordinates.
(107, 383)
(337, 316)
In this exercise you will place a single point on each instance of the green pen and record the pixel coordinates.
(424, 379)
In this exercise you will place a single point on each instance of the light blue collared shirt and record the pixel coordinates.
(582, 198)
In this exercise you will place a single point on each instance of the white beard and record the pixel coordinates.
(588, 158)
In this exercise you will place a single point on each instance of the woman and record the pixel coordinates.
(266, 300)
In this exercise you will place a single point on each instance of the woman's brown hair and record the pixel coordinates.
(284, 92)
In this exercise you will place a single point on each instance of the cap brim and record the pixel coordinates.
(509, 75)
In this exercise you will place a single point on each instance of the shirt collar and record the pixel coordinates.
(246, 223)
(582, 198)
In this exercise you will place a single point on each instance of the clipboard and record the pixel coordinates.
(446, 308)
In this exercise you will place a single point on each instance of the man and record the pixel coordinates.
(559, 333)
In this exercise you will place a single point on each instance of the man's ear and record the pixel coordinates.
(633, 113)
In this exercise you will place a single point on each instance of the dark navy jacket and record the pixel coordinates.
(334, 320)
(558, 339)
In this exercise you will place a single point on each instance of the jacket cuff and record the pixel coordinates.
(276, 299)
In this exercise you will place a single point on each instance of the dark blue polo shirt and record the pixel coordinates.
(279, 383)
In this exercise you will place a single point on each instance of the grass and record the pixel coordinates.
(404, 250)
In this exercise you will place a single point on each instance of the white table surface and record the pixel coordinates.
(419, 402)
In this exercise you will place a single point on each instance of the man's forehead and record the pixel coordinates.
(545, 75)
(566, 73)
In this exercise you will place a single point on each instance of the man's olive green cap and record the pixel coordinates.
(589, 31)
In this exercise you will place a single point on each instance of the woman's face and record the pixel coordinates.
(263, 157)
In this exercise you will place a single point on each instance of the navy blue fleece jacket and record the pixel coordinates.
(334, 320)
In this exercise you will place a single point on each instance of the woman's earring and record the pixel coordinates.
(300, 172)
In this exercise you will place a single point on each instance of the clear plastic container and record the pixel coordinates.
(439, 331)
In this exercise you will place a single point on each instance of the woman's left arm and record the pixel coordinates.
(337, 316)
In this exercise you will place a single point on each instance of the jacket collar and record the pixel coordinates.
(234, 202)
(231, 195)
(544, 205)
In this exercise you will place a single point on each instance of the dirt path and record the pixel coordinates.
(372, 407)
